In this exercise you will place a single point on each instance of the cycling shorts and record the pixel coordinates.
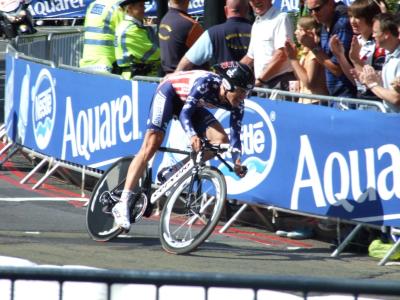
(166, 104)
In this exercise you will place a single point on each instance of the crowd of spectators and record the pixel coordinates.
(345, 48)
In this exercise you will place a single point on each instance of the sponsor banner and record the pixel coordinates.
(320, 160)
(66, 115)
(43, 9)
(287, 5)
(196, 7)
(301, 157)
(316, 159)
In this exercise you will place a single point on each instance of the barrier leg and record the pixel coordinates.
(5, 148)
(233, 218)
(47, 175)
(266, 222)
(2, 131)
(34, 170)
(14, 150)
(346, 241)
(83, 181)
(392, 250)
(389, 253)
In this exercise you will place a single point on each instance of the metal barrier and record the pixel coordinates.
(338, 102)
(260, 287)
(62, 47)
(65, 48)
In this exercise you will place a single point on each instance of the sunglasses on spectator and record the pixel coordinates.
(316, 9)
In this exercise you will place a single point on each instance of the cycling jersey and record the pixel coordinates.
(186, 95)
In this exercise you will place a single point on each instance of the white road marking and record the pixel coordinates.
(23, 199)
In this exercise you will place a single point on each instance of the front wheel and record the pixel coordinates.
(189, 217)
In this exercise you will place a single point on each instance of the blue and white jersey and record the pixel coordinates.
(199, 88)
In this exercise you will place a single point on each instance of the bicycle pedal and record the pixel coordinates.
(124, 231)
(107, 209)
(149, 210)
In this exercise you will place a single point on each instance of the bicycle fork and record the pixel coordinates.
(191, 197)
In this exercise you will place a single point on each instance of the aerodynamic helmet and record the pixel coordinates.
(235, 74)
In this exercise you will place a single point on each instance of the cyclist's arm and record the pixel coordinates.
(199, 90)
(236, 128)
(185, 117)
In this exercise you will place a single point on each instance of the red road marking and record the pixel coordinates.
(49, 187)
(257, 237)
(272, 239)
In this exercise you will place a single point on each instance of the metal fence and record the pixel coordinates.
(61, 47)
(278, 95)
(107, 284)
(65, 48)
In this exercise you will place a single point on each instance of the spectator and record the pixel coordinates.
(382, 5)
(363, 48)
(334, 22)
(385, 32)
(136, 49)
(266, 49)
(102, 17)
(177, 33)
(223, 42)
(396, 82)
(308, 70)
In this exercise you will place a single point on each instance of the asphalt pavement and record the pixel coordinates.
(46, 226)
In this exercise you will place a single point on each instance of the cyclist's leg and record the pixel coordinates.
(152, 141)
(120, 211)
(160, 114)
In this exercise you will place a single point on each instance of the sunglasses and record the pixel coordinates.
(316, 9)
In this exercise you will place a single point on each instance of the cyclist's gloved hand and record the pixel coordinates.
(196, 143)
(240, 170)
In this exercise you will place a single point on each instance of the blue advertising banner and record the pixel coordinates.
(317, 159)
(301, 157)
(196, 7)
(320, 160)
(43, 9)
(65, 114)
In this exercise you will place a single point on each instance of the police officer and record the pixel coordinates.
(102, 17)
(136, 49)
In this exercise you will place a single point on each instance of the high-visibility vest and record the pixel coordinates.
(136, 44)
(102, 18)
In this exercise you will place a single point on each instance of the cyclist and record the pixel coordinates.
(186, 95)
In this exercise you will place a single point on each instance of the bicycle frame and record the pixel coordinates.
(186, 168)
(166, 186)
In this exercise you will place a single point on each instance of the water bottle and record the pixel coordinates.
(166, 173)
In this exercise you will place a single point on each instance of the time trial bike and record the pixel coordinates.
(196, 195)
